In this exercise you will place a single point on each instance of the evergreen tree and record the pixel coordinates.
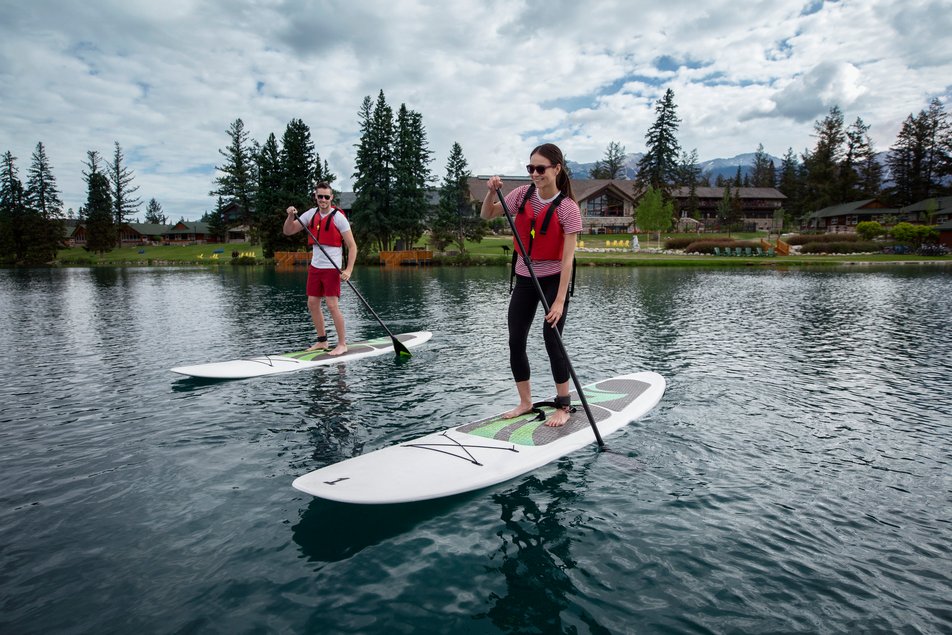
(763, 172)
(789, 186)
(236, 181)
(153, 213)
(689, 175)
(216, 221)
(861, 174)
(13, 212)
(297, 165)
(322, 172)
(658, 166)
(100, 221)
(45, 229)
(271, 200)
(124, 204)
(411, 172)
(456, 220)
(738, 179)
(822, 165)
(613, 165)
(373, 174)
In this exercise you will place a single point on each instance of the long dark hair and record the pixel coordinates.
(552, 152)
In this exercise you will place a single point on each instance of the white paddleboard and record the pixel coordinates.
(482, 453)
(289, 362)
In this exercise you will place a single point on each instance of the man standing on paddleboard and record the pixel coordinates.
(328, 232)
(548, 222)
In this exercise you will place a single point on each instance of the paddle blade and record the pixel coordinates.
(400, 349)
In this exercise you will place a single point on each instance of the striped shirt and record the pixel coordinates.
(568, 213)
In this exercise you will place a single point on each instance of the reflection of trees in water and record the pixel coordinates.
(536, 557)
(334, 436)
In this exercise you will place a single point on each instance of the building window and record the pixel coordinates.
(605, 205)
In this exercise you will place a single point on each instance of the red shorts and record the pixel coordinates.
(322, 283)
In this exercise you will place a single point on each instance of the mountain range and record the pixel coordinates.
(713, 168)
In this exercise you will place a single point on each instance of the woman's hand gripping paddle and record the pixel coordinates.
(398, 347)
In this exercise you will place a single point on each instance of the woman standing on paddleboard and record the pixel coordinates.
(548, 222)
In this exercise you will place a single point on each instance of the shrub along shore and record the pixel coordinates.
(602, 250)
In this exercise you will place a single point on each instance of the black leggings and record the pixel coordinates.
(523, 305)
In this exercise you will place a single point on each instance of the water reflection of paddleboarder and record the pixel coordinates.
(548, 222)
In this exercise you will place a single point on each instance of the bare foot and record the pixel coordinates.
(521, 409)
(340, 349)
(320, 346)
(559, 418)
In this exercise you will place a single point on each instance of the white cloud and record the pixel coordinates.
(166, 80)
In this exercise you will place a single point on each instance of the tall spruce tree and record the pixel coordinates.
(822, 165)
(373, 174)
(612, 166)
(455, 220)
(124, 201)
(100, 221)
(689, 175)
(861, 174)
(154, 214)
(658, 166)
(13, 212)
(236, 181)
(271, 200)
(46, 230)
(763, 173)
(789, 184)
(411, 176)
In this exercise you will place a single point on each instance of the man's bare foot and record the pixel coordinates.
(340, 349)
(521, 409)
(320, 346)
(559, 418)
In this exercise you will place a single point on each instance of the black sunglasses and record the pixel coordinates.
(538, 169)
(324, 197)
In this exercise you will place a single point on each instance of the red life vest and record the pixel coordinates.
(543, 238)
(329, 235)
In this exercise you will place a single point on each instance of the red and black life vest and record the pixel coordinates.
(543, 241)
(329, 235)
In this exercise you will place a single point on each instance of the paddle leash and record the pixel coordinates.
(398, 346)
(545, 305)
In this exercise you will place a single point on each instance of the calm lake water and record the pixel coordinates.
(796, 477)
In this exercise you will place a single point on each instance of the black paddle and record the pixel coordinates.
(398, 346)
(545, 305)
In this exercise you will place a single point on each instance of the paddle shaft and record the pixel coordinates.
(545, 306)
(398, 346)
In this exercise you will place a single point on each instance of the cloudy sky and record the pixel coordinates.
(165, 79)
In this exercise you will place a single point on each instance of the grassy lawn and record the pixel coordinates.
(490, 251)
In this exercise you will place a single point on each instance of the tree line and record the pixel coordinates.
(843, 166)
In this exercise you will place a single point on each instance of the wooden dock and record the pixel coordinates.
(406, 257)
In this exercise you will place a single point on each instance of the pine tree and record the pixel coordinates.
(762, 174)
(297, 165)
(271, 200)
(322, 172)
(45, 226)
(153, 213)
(789, 186)
(658, 166)
(821, 166)
(13, 212)
(216, 221)
(411, 172)
(124, 204)
(456, 220)
(236, 181)
(98, 211)
(861, 173)
(613, 165)
(689, 174)
(373, 174)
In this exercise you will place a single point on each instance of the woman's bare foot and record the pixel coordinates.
(340, 349)
(559, 418)
(521, 409)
